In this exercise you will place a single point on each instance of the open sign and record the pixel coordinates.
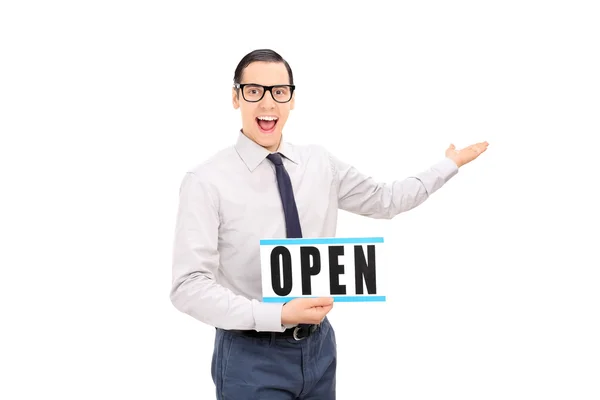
(343, 268)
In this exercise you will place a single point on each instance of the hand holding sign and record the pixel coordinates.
(306, 310)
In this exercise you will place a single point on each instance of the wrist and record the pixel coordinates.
(284, 317)
(456, 161)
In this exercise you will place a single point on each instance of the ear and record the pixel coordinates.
(235, 100)
(293, 101)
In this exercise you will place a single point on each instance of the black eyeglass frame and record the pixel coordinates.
(265, 90)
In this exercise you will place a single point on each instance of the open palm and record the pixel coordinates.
(466, 155)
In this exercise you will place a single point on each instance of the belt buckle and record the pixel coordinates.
(295, 334)
(311, 330)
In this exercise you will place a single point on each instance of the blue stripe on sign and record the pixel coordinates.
(321, 241)
(339, 299)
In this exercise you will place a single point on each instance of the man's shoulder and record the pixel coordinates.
(206, 174)
(308, 150)
(216, 161)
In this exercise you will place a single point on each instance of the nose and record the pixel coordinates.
(267, 101)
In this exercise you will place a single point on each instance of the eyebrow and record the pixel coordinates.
(260, 84)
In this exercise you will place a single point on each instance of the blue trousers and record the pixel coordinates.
(246, 368)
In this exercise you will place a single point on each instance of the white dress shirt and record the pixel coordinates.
(231, 201)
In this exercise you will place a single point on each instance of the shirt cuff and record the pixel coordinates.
(446, 168)
(267, 316)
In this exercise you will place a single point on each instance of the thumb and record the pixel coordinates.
(320, 301)
(452, 147)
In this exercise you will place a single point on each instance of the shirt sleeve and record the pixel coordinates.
(194, 290)
(363, 195)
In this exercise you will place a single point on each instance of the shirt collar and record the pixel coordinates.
(252, 154)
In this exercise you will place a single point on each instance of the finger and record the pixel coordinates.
(314, 315)
(476, 151)
(320, 313)
(481, 146)
(320, 301)
(478, 144)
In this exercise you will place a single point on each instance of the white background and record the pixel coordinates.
(105, 105)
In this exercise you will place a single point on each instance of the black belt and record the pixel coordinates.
(299, 332)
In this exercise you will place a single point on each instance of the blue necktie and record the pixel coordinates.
(286, 192)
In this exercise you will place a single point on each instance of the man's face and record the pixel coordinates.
(264, 120)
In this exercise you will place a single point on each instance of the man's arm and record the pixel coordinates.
(196, 259)
(363, 195)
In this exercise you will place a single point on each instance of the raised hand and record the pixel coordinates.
(466, 155)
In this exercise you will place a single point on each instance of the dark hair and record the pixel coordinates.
(265, 55)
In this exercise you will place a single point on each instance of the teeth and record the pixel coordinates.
(267, 118)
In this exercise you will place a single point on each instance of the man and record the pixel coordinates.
(264, 187)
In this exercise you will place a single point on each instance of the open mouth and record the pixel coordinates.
(266, 123)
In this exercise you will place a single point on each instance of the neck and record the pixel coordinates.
(272, 149)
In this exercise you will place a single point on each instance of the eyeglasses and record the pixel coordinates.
(253, 92)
